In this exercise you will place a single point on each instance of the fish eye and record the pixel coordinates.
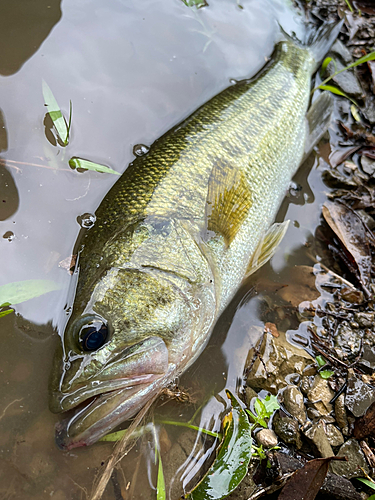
(93, 335)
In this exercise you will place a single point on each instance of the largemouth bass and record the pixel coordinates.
(173, 240)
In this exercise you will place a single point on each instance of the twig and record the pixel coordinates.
(120, 450)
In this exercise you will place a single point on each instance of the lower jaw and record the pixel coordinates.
(102, 414)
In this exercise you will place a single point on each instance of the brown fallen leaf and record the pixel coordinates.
(352, 234)
(306, 482)
(69, 263)
(365, 426)
(271, 328)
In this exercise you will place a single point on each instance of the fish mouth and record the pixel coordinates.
(102, 404)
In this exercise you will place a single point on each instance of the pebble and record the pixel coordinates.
(293, 402)
(362, 318)
(320, 395)
(267, 438)
(356, 461)
(334, 436)
(359, 396)
(318, 436)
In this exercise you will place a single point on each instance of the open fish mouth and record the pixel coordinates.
(101, 405)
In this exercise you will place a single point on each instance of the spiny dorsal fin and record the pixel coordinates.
(267, 246)
(228, 200)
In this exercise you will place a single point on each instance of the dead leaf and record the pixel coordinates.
(271, 328)
(365, 426)
(306, 482)
(69, 263)
(352, 234)
(340, 155)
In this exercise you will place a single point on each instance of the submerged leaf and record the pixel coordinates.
(55, 113)
(20, 291)
(232, 460)
(306, 482)
(89, 165)
(160, 486)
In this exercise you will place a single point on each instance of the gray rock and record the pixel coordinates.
(359, 396)
(287, 429)
(340, 414)
(339, 49)
(267, 438)
(293, 402)
(346, 81)
(334, 436)
(368, 357)
(306, 384)
(356, 460)
(368, 165)
(320, 395)
(318, 436)
(370, 110)
(346, 339)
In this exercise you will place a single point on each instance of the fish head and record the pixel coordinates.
(119, 349)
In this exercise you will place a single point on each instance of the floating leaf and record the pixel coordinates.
(336, 91)
(306, 482)
(54, 112)
(326, 373)
(20, 291)
(160, 485)
(367, 482)
(89, 165)
(232, 460)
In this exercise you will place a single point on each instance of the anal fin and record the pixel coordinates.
(229, 200)
(267, 246)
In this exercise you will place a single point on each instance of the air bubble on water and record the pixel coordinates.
(232, 81)
(86, 220)
(140, 150)
(8, 236)
(294, 189)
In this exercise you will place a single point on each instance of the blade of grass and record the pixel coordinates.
(20, 291)
(191, 426)
(160, 486)
(5, 313)
(336, 91)
(348, 4)
(55, 113)
(89, 165)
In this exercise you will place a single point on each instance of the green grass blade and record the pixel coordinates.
(89, 165)
(326, 61)
(349, 5)
(20, 291)
(336, 91)
(5, 313)
(70, 118)
(191, 426)
(54, 112)
(160, 486)
(367, 482)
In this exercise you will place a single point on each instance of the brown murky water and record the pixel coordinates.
(132, 70)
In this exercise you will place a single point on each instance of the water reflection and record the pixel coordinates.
(24, 26)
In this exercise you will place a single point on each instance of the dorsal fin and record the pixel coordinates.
(228, 200)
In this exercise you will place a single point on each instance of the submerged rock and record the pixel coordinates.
(287, 429)
(334, 436)
(356, 461)
(359, 396)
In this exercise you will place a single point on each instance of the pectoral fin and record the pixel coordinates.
(229, 200)
(267, 246)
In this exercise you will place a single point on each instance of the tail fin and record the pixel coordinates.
(321, 40)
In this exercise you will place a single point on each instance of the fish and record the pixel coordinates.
(173, 240)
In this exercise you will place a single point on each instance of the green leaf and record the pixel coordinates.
(271, 404)
(260, 408)
(355, 113)
(326, 61)
(55, 114)
(326, 373)
(366, 58)
(5, 313)
(232, 460)
(89, 165)
(336, 91)
(372, 497)
(160, 486)
(367, 482)
(20, 291)
(195, 3)
(320, 361)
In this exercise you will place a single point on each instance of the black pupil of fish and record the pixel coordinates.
(93, 336)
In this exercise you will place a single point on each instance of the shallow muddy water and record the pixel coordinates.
(132, 70)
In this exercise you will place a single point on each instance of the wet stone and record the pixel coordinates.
(368, 357)
(249, 395)
(287, 429)
(359, 396)
(356, 461)
(317, 435)
(347, 340)
(267, 438)
(365, 319)
(334, 436)
(368, 165)
(320, 395)
(340, 414)
(306, 384)
(346, 81)
(293, 402)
